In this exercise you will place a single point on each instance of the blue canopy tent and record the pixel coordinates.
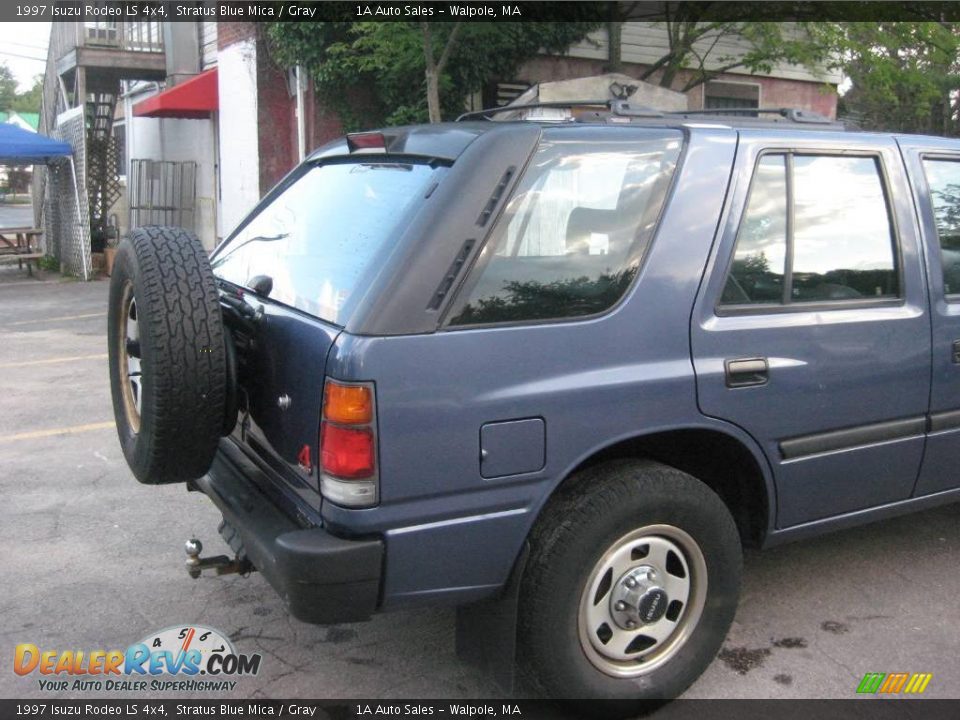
(22, 147)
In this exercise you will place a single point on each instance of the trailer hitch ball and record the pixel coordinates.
(221, 563)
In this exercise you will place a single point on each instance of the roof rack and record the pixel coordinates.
(623, 108)
(484, 113)
(796, 115)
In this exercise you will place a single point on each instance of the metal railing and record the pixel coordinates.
(142, 36)
(135, 36)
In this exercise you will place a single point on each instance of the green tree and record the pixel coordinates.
(30, 100)
(8, 87)
(699, 33)
(904, 75)
(696, 54)
(535, 300)
(380, 72)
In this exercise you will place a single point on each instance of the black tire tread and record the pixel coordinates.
(598, 491)
(181, 332)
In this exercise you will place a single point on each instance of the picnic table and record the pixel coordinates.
(20, 243)
(19, 239)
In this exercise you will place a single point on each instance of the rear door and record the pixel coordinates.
(935, 175)
(295, 272)
(811, 331)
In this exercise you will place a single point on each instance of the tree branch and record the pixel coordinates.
(427, 45)
(451, 41)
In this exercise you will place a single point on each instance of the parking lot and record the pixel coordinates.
(90, 559)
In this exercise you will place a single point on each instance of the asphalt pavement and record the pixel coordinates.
(92, 560)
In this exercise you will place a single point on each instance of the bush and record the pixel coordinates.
(48, 263)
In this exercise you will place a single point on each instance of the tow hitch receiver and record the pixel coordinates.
(222, 564)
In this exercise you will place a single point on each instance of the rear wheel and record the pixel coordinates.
(631, 585)
(168, 363)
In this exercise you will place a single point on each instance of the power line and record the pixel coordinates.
(28, 46)
(39, 44)
(22, 57)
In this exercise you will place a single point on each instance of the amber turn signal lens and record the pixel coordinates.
(347, 404)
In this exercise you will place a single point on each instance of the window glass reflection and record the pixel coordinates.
(760, 258)
(843, 241)
(943, 178)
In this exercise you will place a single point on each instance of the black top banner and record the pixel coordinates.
(470, 11)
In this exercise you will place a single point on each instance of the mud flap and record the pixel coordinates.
(486, 632)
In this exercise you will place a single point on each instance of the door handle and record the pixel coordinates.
(956, 352)
(746, 372)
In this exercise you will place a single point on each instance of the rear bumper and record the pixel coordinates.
(322, 578)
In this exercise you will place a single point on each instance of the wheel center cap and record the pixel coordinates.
(652, 605)
(636, 598)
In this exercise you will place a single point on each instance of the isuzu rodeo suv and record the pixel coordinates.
(555, 373)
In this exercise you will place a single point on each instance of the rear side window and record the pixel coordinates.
(319, 240)
(571, 239)
(760, 259)
(817, 228)
(943, 178)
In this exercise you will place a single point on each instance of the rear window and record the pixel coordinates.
(320, 239)
(571, 239)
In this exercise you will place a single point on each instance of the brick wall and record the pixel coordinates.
(323, 124)
(229, 33)
(276, 118)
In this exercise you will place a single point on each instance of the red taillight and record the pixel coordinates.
(348, 444)
(347, 452)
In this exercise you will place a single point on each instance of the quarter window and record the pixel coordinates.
(817, 228)
(570, 241)
(943, 178)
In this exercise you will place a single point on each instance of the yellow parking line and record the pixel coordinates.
(51, 361)
(73, 430)
(55, 319)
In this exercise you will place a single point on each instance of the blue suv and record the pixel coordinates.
(557, 374)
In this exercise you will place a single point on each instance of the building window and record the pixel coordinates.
(503, 93)
(725, 95)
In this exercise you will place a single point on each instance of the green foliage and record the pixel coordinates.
(48, 263)
(8, 87)
(695, 52)
(10, 99)
(373, 73)
(30, 100)
(905, 75)
(534, 300)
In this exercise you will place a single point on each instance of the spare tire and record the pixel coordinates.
(168, 371)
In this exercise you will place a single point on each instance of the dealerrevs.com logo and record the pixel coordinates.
(181, 658)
